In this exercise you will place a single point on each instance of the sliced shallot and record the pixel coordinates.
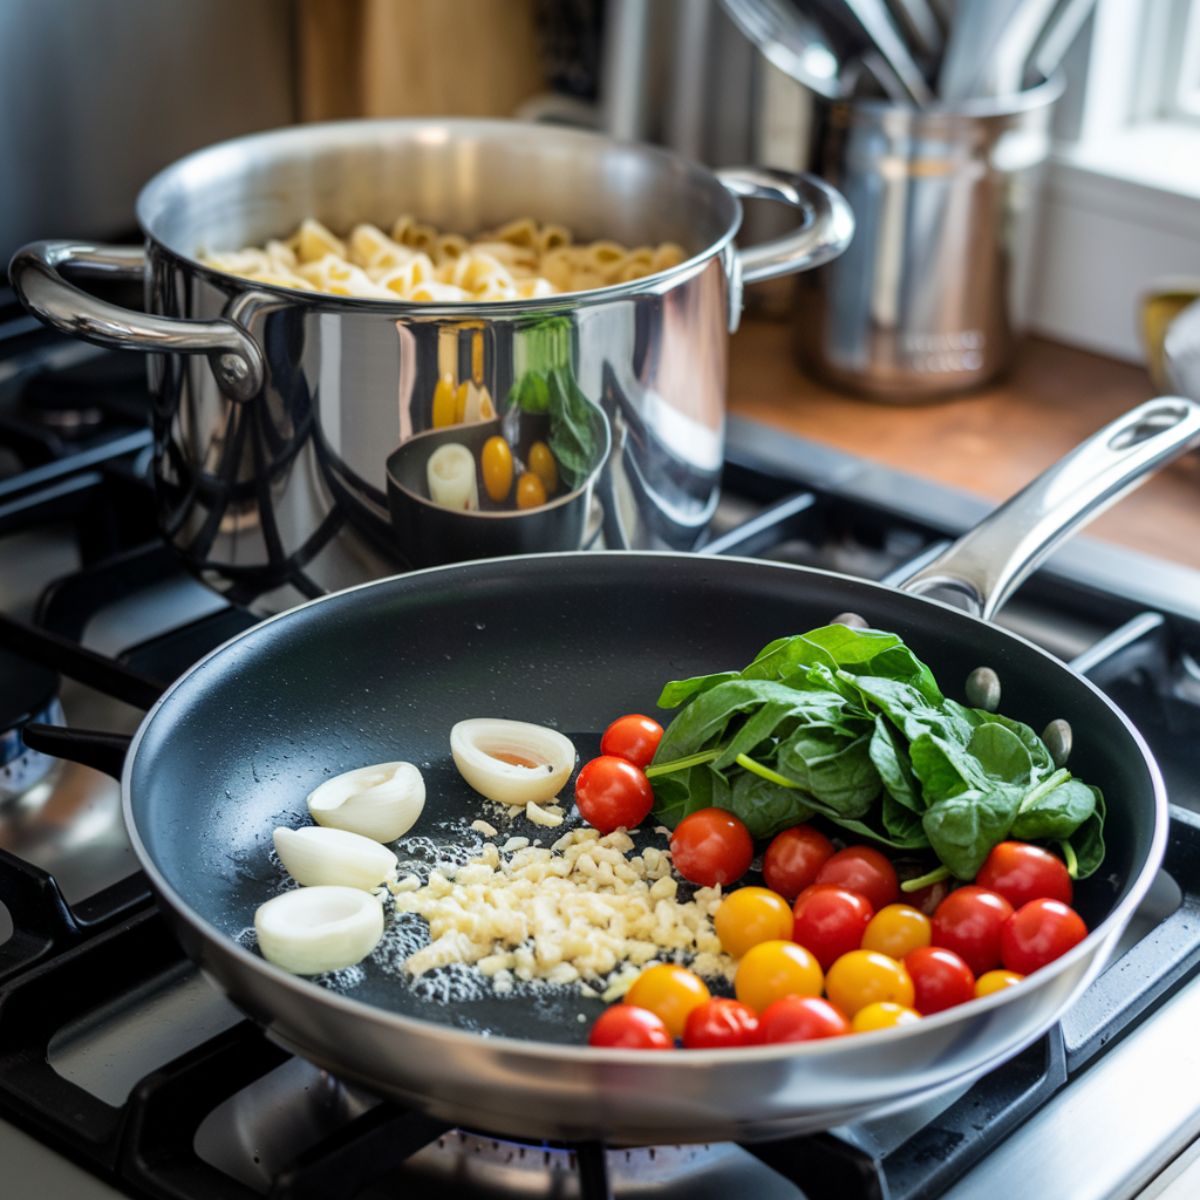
(450, 474)
(512, 762)
(381, 802)
(314, 855)
(316, 929)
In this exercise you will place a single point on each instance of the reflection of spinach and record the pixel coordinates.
(851, 725)
(545, 384)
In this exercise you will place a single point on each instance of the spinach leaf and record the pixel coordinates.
(895, 770)
(678, 691)
(1000, 753)
(964, 827)
(765, 807)
(838, 775)
(1054, 814)
(574, 439)
(1088, 840)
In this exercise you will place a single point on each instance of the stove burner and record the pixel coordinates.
(30, 694)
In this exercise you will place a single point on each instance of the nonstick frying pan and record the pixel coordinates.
(384, 670)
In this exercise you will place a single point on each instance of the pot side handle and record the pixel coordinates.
(982, 569)
(826, 232)
(37, 271)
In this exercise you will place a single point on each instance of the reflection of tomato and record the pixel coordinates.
(611, 792)
(883, 1014)
(711, 846)
(670, 992)
(863, 977)
(864, 870)
(800, 1019)
(531, 492)
(793, 859)
(542, 464)
(749, 916)
(719, 1023)
(1021, 872)
(830, 922)
(624, 1027)
(772, 970)
(633, 737)
(968, 922)
(940, 979)
(1038, 933)
(496, 461)
(897, 929)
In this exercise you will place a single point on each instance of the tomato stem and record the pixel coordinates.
(1071, 861)
(757, 768)
(923, 881)
(682, 764)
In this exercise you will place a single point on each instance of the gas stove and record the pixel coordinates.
(122, 1071)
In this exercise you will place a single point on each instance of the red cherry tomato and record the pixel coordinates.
(1038, 933)
(711, 846)
(800, 1019)
(719, 1023)
(940, 979)
(624, 1027)
(830, 922)
(1021, 872)
(863, 870)
(611, 792)
(633, 737)
(793, 859)
(968, 922)
(927, 899)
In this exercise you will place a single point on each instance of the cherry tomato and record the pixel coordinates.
(863, 870)
(1038, 933)
(864, 976)
(927, 899)
(897, 929)
(531, 492)
(611, 792)
(633, 737)
(883, 1014)
(800, 1019)
(711, 846)
(830, 921)
(995, 981)
(940, 979)
(624, 1027)
(968, 922)
(1021, 872)
(497, 462)
(793, 859)
(749, 916)
(542, 464)
(719, 1023)
(670, 992)
(772, 970)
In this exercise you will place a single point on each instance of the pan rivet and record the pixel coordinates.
(850, 620)
(1058, 738)
(983, 689)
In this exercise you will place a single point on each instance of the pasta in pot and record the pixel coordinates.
(521, 260)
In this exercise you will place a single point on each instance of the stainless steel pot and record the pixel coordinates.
(276, 411)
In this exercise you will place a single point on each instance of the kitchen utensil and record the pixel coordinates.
(1005, 66)
(384, 670)
(973, 33)
(271, 455)
(920, 25)
(873, 23)
(928, 298)
(1181, 351)
(1058, 34)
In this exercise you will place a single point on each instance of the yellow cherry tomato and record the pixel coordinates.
(497, 462)
(542, 464)
(897, 929)
(772, 970)
(530, 492)
(443, 402)
(670, 993)
(752, 915)
(883, 1014)
(864, 976)
(995, 981)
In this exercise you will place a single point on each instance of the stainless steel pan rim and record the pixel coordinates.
(1109, 928)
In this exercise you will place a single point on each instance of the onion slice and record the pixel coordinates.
(512, 762)
(450, 474)
(316, 929)
(314, 855)
(381, 802)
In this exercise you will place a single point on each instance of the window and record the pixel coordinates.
(1183, 95)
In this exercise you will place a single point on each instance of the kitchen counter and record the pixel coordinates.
(990, 442)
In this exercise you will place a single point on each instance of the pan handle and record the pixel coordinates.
(981, 570)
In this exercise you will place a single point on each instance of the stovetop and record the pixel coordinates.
(122, 1068)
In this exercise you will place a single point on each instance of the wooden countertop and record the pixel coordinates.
(991, 442)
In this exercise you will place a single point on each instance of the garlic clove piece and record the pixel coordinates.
(316, 929)
(512, 762)
(316, 855)
(381, 802)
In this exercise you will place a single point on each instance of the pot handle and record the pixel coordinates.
(826, 232)
(36, 274)
(984, 566)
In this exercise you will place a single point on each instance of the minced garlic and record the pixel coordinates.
(584, 909)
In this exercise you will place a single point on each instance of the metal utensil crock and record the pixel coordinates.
(276, 411)
(928, 299)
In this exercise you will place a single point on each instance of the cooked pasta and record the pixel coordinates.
(521, 260)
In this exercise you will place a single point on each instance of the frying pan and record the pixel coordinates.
(384, 670)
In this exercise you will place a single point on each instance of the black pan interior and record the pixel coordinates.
(384, 671)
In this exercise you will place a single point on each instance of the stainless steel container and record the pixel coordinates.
(277, 411)
(929, 297)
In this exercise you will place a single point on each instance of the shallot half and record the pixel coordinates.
(314, 855)
(381, 802)
(512, 762)
(316, 929)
